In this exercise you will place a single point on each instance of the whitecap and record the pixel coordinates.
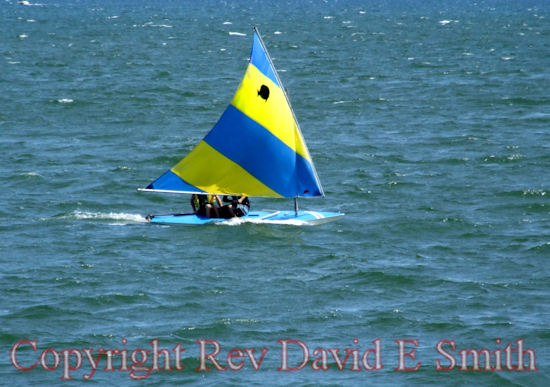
(277, 33)
(150, 24)
(236, 33)
(515, 156)
(65, 100)
(227, 23)
(31, 174)
(27, 3)
(535, 192)
(444, 22)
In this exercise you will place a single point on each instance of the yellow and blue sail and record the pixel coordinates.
(255, 149)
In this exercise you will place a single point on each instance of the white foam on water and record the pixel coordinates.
(231, 222)
(29, 4)
(65, 100)
(30, 174)
(122, 218)
(445, 22)
(151, 24)
(241, 221)
(236, 33)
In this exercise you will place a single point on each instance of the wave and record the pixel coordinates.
(29, 4)
(65, 100)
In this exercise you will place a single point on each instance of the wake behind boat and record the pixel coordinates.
(256, 149)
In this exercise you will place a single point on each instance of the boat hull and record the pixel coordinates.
(262, 217)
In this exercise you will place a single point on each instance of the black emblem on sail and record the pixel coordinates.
(264, 92)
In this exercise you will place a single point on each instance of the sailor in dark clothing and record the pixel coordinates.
(240, 205)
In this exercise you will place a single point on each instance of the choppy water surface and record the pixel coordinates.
(428, 124)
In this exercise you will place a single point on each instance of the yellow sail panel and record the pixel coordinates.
(210, 171)
(264, 102)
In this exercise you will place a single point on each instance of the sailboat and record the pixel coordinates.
(256, 149)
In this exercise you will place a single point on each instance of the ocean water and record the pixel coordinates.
(428, 122)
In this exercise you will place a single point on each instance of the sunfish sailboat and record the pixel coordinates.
(256, 149)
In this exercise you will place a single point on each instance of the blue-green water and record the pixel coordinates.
(429, 126)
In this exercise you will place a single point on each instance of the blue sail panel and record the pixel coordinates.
(169, 181)
(263, 155)
(259, 58)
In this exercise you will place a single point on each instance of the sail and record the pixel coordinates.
(255, 149)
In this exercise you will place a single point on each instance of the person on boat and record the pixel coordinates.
(205, 205)
(240, 205)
